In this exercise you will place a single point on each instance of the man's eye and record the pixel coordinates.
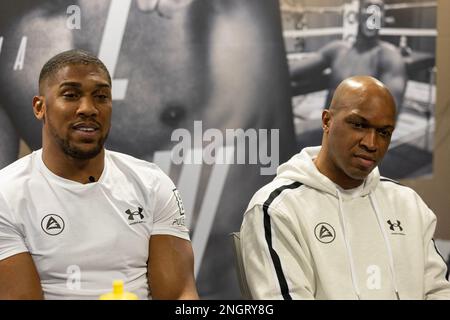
(357, 125)
(70, 95)
(385, 133)
(101, 96)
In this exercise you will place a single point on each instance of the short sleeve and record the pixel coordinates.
(11, 239)
(169, 216)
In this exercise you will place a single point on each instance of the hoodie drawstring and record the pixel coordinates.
(386, 242)
(348, 247)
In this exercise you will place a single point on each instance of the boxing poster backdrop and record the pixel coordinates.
(407, 32)
(203, 89)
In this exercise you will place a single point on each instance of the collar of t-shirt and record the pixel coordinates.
(66, 182)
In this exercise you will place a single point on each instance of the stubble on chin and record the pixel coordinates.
(72, 150)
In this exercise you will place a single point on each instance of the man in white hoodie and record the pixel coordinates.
(329, 227)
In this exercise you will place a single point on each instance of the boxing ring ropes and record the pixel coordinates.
(349, 12)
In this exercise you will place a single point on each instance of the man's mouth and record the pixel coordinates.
(86, 129)
(366, 161)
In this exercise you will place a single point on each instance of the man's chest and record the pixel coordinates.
(364, 248)
(94, 229)
(352, 62)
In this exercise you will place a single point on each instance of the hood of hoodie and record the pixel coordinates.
(301, 168)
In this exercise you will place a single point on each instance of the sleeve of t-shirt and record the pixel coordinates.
(11, 239)
(169, 217)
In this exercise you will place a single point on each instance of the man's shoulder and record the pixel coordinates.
(391, 182)
(18, 169)
(14, 177)
(335, 47)
(123, 157)
(392, 186)
(273, 192)
(127, 164)
(388, 46)
(390, 52)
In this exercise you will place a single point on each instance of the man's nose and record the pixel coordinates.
(369, 140)
(87, 107)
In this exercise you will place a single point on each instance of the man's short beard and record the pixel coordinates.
(75, 152)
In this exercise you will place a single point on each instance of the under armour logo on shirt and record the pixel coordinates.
(131, 214)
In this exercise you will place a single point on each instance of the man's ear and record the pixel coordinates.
(39, 107)
(326, 119)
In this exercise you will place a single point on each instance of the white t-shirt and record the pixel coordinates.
(84, 236)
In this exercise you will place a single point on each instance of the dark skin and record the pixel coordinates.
(19, 278)
(167, 280)
(75, 106)
(76, 98)
(357, 131)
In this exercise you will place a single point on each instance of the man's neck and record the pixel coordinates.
(364, 43)
(326, 168)
(70, 168)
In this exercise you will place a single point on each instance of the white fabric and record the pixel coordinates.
(93, 239)
(384, 256)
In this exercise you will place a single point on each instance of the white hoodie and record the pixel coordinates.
(303, 237)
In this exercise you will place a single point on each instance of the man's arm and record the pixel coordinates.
(314, 65)
(19, 278)
(437, 286)
(311, 66)
(18, 275)
(171, 268)
(276, 265)
(393, 74)
(435, 282)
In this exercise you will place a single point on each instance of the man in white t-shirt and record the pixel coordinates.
(74, 216)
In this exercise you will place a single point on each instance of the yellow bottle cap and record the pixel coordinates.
(118, 293)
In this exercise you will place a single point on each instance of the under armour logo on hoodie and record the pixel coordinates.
(395, 226)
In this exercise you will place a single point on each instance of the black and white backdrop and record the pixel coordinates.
(225, 63)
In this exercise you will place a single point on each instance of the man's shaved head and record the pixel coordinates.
(357, 90)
